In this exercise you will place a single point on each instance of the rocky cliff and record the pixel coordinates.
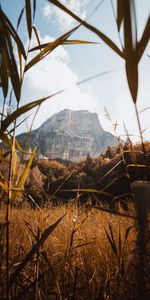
(70, 135)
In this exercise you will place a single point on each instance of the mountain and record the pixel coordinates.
(70, 135)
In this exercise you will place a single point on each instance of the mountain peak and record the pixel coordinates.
(71, 135)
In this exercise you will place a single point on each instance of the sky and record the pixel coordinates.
(69, 64)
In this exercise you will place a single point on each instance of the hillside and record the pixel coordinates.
(70, 135)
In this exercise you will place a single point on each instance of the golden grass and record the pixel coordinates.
(84, 257)
(90, 253)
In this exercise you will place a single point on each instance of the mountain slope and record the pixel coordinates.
(70, 135)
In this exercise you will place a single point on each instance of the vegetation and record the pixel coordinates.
(62, 181)
(88, 253)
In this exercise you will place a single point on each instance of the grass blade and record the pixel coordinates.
(68, 42)
(33, 250)
(130, 37)
(7, 55)
(20, 63)
(12, 65)
(144, 40)
(5, 139)
(29, 17)
(4, 185)
(112, 243)
(108, 41)
(14, 167)
(17, 113)
(120, 13)
(20, 17)
(34, 8)
(88, 191)
(4, 79)
(13, 33)
(49, 48)
(23, 177)
(37, 37)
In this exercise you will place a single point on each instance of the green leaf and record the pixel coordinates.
(107, 40)
(29, 17)
(33, 250)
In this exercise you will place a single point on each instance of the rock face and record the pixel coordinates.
(70, 135)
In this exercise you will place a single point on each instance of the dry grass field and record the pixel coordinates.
(90, 255)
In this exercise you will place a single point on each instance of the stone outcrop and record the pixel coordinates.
(70, 135)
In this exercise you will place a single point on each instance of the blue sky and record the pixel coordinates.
(70, 64)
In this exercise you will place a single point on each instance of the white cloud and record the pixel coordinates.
(50, 75)
(55, 73)
(51, 12)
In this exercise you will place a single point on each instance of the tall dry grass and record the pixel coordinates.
(90, 255)
(85, 258)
